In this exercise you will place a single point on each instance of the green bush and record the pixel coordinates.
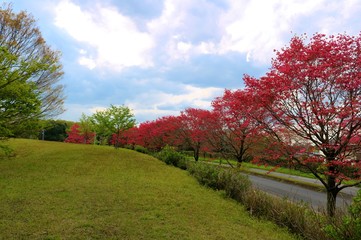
(231, 181)
(349, 227)
(171, 157)
(298, 218)
(182, 163)
(234, 184)
(206, 174)
(141, 149)
(5, 150)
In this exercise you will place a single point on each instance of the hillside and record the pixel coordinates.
(66, 191)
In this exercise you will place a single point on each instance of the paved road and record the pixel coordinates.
(350, 190)
(297, 193)
(316, 199)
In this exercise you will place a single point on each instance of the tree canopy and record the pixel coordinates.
(30, 72)
(105, 127)
(312, 97)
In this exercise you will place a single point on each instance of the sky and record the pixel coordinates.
(159, 57)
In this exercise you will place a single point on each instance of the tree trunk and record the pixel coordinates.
(239, 161)
(196, 153)
(331, 202)
(332, 192)
(332, 189)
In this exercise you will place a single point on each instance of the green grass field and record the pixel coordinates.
(65, 191)
(247, 165)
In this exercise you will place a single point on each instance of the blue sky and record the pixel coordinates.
(159, 57)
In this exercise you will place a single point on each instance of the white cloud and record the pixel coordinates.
(178, 25)
(158, 103)
(114, 38)
(254, 28)
(88, 62)
(340, 17)
(184, 47)
(257, 27)
(97, 109)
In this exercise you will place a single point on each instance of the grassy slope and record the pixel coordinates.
(65, 191)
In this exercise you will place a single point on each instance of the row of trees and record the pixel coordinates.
(103, 127)
(305, 111)
(30, 72)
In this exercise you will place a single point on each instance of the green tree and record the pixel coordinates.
(114, 120)
(54, 130)
(86, 128)
(19, 101)
(29, 72)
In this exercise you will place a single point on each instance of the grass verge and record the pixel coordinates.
(65, 191)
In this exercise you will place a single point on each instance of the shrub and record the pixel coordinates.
(183, 163)
(231, 181)
(141, 149)
(348, 227)
(206, 174)
(129, 146)
(298, 218)
(234, 183)
(170, 156)
(5, 151)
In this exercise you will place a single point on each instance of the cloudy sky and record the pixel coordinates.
(159, 57)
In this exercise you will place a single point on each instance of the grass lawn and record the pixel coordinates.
(66, 191)
(247, 165)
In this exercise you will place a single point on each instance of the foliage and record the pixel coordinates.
(141, 149)
(5, 150)
(206, 174)
(30, 70)
(193, 128)
(19, 103)
(349, 227)
(76, 136)
(113, 120)
(155, 135)
(233, 130)
(86, 128)
(231, 181)
(298, 218)
(170, 156)
(310, 103)
(54, 130)
(234, 184)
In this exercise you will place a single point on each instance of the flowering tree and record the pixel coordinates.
(233, 128)
(86, 128)
(75, 135)
(156, 134)
(313, 91)
(128, 137)
(113, 120)
(194, 127)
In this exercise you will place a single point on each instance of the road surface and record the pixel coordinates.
(297, 193)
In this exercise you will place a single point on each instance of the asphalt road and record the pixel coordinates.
(297, 193)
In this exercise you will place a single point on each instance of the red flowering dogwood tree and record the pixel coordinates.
(154, 135)
(233, 129)
(194, 128)
(75, 135)
(313, 93)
